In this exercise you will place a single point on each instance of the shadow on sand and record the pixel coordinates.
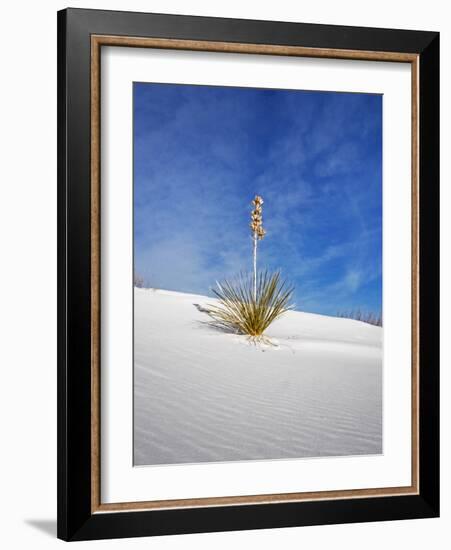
(213, 324)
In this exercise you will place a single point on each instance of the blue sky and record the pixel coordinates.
(201, 154)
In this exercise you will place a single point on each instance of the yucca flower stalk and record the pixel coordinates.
(258, 233)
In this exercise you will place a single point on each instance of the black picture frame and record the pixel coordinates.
(76, 520)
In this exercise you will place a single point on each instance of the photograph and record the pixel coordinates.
(248, 318)
(257, 284)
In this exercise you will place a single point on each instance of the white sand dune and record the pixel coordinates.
(202, 395)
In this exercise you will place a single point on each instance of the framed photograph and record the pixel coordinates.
(248, 274)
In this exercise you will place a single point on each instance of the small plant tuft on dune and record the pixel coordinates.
(138, 281)
(250, 303)
(366, 317)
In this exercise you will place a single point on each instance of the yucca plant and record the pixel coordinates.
(250, 303)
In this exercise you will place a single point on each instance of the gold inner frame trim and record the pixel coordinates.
(97, 41)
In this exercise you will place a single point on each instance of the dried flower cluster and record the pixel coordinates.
(258, 233)
(256, 218)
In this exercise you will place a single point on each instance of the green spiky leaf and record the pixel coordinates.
(242, 312)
